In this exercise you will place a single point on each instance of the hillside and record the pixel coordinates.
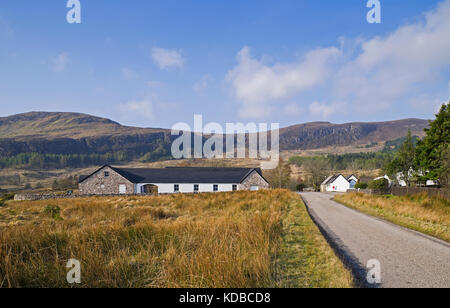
(324, 134)
(52, 125)
(80, 134)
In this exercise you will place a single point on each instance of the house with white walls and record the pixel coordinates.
(109, 180)
(337, 183)
(353, 180)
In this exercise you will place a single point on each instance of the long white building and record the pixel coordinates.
(109, 180)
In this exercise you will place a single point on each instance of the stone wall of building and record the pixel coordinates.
(254, 179)
(98, 184)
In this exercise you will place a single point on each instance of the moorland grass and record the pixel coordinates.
(429, 215)
(240, 239)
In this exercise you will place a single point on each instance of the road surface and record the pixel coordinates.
(407, 258)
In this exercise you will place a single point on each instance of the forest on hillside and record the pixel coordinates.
(356, 161)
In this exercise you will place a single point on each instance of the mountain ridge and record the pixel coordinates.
(83, 118)
(78, 133)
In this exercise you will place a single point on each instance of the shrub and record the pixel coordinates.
(380, 184)
(6, 198)
(361, 185)
(54, 211)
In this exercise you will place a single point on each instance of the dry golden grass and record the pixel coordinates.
(209, 240)
(430, 215)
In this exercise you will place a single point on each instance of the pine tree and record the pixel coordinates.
(403, 165)
(432, 151)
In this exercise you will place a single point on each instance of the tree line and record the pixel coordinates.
(410, 159)
(59, 161)
(429, 158)
(49, 161)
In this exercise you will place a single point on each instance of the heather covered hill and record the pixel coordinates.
(78, 140)
(50, 125)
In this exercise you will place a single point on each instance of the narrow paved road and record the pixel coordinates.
(408, 258)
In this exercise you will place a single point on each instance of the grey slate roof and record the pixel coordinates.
(348, 178)
(331, 179)
(181, 175)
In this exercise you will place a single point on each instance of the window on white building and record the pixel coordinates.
(216, 188)
(176, 188)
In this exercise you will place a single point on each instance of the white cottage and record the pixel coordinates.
(352, 180)
(338, 183)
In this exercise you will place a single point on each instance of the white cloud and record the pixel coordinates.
(370, 75)
(167, 58)
(389, 68)
(60, 62)
(324, 111)
(142, 108)
(256, 85)
(202, 84)
(128, 73)
(292, 110)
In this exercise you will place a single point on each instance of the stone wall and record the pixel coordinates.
(254, 179)
(36, 197)
(98, 184)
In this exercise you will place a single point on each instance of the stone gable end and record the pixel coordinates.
(98, 184)
(254, 179)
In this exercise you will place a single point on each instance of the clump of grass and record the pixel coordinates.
(53, 211)
(208, 240)
(430, 215)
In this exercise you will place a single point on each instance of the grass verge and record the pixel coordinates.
(429, 215)
(236, 240)
(305, 258)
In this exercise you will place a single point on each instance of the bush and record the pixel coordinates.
(380, 184)
(53, 211)
(301, 187)
(361, 185)
(5, 198)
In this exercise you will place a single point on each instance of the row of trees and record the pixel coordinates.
(53, 161)
(354, 161)
(48, 161)
(316, 168)
(429, 159)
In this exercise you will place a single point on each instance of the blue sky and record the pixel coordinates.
(156, 63)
